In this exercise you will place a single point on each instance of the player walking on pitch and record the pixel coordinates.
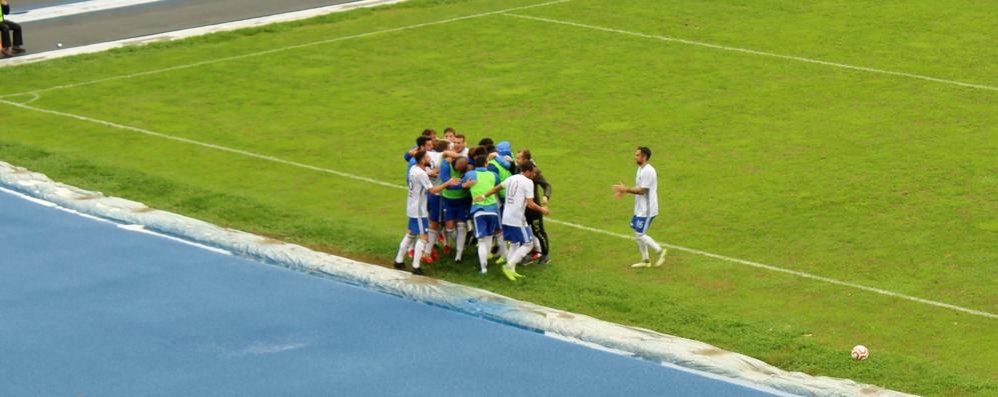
(645, 194)
(419, 222)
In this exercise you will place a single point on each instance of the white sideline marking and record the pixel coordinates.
(65, 10)
(49, 204)
(133, 228)
(243, 24)
(569, 224)
(198, 143)
(787, 271)
(755, 52)
(143, 230)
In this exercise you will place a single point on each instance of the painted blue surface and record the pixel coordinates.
(87, 308)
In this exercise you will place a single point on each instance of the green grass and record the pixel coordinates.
(884, 181)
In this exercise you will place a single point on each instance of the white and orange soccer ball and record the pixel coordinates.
(860, 352)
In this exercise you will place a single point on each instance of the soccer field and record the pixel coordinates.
(845, 147)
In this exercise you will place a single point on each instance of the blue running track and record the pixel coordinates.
(88, 308)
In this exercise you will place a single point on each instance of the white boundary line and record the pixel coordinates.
(368, 3)
(755, 52)
(569, 224)
(143, 230)
(131, 228)
(49, 204)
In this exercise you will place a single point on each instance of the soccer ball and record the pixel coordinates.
(860, 352)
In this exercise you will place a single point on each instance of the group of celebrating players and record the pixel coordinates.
(502, 199)
(454, 190)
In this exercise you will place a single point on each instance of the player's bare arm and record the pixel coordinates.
(620, 189)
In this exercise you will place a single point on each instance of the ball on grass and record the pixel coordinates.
(860, 352)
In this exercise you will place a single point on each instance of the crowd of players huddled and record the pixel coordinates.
(486, 196)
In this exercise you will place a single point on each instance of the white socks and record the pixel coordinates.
(519, 252)
(403, 247)
(416, 257)
(649, 242)
(502, 246)
(484, 248)
(643, 249)
(462, 235)
(432, 240)
(450, 235)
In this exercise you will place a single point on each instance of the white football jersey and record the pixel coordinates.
(646, 205)
(434, 164)
(419, 183)
(519, 189)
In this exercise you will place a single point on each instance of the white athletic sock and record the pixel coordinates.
(644, 238)
(420, 247)
(484, 248)
(432, 241)
(450, 236)
(511, 251)
(462, 235)
(403, 248)
(519, 252)
(537, 244)
(642, 248)
(501, 242)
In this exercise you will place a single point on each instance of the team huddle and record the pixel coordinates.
(454, 191)
(489, 197)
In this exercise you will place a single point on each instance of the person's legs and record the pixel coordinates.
(537, 226)
(462, 235)
(435, 205)
(5, 33)
(640, 226)
(485, 227)
(484, 245)
(8, 29)
(519, 252)
(422, 227)
(403, 247)
(18, 37)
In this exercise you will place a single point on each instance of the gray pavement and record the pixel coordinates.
(142, 20)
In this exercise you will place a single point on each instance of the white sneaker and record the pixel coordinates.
(661, 257)
(641, 264)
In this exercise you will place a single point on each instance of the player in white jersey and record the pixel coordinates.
(519, 196)
(435, 203)
(645, 193)
(419, 186)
